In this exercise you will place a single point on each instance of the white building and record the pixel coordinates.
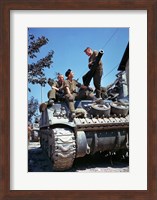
(124, 73)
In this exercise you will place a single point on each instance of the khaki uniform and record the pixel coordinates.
(76, 93)
(53, 94)
(97, 74)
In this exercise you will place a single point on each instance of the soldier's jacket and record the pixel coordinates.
(53, 93)
(59, 84)
(92, 59)
(72, 85)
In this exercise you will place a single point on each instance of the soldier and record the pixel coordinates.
(97, 70)
(29, 131)
(57, 91)
(71, 92)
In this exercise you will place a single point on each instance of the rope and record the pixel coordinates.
(102, 48)
(110, 38)
(110, 71)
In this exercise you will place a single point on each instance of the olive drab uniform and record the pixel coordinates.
(29, 133)
(98, 72)
(76, 93)
(53, 94)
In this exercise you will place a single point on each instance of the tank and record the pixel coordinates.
(96, 127)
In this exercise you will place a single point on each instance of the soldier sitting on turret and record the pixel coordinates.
(71, 94)
(57, 91)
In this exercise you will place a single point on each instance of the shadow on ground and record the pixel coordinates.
(38, 161)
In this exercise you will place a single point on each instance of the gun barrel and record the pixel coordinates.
(100, 54)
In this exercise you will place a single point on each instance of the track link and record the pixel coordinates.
(62, 148)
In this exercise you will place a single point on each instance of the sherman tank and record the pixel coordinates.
(96, 127)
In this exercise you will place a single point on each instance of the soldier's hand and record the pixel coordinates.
(83, 87)
(90, 64)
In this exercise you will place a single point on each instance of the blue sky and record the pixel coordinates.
(68, 45)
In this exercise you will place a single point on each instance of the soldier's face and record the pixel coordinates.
(61, 78)
(89, 52)
(71, 75)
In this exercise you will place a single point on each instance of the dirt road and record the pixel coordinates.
(39, 162)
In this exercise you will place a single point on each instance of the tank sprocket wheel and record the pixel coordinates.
(62, 148)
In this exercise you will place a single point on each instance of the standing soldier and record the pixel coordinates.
(96, 70)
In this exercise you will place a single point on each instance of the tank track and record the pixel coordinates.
(62, 146)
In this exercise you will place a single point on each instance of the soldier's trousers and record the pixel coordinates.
(70, 100)
(52, 94)
(96, 74)
(97, 82)
(82, 94)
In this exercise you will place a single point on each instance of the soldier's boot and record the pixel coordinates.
(98, 93)
(72, 116)
(99, 101)
(50, 102)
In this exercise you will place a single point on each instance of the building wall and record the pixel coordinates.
(124, 92)
(127, 74)
(124, 87)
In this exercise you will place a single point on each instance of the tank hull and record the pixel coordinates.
(64, 139)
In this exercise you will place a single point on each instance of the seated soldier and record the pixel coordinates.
(57, 91)
(71, 94)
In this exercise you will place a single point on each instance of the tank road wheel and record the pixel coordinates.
(100, 109)
(62, 148)
(119, 109)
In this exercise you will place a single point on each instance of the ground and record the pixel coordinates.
(39, 162)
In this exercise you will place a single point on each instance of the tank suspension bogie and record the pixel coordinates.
(92, 142)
